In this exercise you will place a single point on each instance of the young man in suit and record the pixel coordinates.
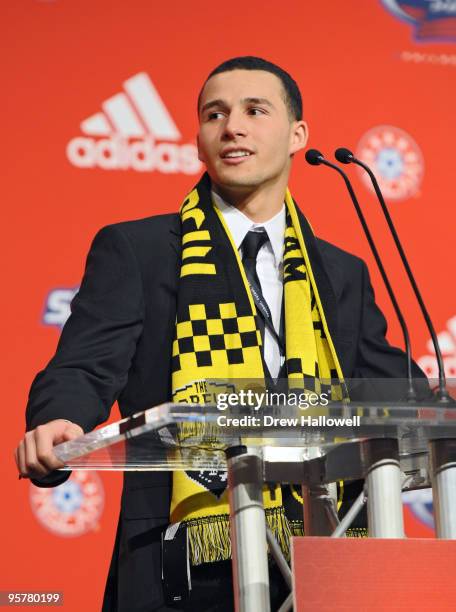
(239, 229)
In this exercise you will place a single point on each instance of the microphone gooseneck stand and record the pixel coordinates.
(315, 158)
(345, 156)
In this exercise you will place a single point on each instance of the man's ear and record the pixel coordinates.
(299, 136)
(200, 155)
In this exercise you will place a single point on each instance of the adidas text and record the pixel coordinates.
(117, 153)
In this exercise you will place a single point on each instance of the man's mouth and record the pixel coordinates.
(236, 155)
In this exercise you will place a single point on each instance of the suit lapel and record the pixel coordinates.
(333, 271)
(328, 293)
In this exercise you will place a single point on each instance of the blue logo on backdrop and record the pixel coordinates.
(71, 509)
(395, 158)
(420, 504)
(68, 497)
(433, 20)
(57, 308)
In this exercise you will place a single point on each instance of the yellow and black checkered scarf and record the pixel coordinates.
(217, 337)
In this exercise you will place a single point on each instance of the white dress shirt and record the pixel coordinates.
(269, 268)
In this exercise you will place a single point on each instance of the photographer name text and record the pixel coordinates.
(301, 421)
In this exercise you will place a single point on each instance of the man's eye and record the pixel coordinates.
(215, 115)
(256, 111)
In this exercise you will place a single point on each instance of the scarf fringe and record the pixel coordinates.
(297, 529)
(357, 532)
(209, 537)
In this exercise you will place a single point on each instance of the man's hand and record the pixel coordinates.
(34, 456)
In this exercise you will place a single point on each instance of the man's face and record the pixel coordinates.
(246, 136)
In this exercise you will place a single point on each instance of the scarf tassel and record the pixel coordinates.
(209, 538)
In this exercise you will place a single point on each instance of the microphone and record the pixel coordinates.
(345, 156)
(316, 158)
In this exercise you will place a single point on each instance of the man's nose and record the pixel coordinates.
(235, 125)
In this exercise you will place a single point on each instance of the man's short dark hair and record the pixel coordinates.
(292, 96)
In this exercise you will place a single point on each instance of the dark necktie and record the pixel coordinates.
(251, 244)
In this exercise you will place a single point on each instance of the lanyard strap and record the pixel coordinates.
(265, 313)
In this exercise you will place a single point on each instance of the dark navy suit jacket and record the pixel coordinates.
(117, 343)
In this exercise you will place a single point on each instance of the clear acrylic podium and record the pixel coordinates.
(393, 447)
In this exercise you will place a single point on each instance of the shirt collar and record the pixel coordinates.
(239, 224)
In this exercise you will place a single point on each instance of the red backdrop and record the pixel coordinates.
(69, 75)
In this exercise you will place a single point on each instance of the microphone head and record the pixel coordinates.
(314, 157)
(343, 155)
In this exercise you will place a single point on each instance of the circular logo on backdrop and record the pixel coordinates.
(432, 19)
(420, 504)
(395, 159)
(71, 509)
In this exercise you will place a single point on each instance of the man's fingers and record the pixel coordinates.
(71, 432)
(35, 456)
(35, 468)
(21, 460)
(45, 439)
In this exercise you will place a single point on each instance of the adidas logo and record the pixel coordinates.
(447, 344)
(124, 135)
